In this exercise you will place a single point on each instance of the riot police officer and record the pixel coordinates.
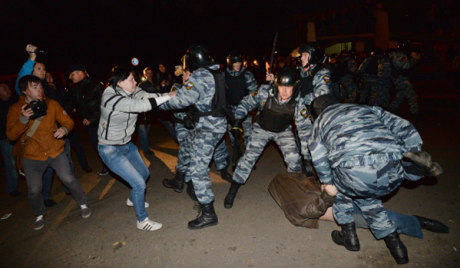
(204, 97)
(347, 72)
(401, 65)
(369, 69)
(277, 106)
(315, 82)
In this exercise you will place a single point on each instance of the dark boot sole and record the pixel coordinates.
(228, 206)
(204, 226)
(178, 190)
(403, 261)
(350, 248)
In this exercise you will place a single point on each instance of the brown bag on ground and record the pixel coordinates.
(301, 198)
(19, 148)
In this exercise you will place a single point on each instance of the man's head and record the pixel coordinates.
(162, 68)
(76, 73)
(310, 54)
(235, 61)
(286, 80)
(39, 70)
(148, 73)
(31, 87)
(123, 77)
(5, 92)
(333, 59)
(197, 56)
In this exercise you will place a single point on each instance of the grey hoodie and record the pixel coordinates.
(119, 113)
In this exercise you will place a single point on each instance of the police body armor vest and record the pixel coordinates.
(218, 102)
(235, 88)
(343, 68)
(334, 73)
(306, 83)
(373, 66)
(276, 117)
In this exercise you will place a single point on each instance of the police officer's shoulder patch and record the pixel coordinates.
(254, 93)
(327, 78)
(189, 85)
(304, 113)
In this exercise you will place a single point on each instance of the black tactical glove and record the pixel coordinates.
(236, 128)
(188, 122)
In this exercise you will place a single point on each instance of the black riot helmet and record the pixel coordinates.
(234, 57)
(287, 76)
(316, 52)
(321, 103)
(196, 56)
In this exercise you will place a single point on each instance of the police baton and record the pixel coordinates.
(273, 53)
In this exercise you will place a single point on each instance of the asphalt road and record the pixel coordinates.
(254, 233)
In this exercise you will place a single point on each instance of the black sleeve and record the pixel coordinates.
(153, 102)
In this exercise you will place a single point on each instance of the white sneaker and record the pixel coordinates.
(130, 204)
(148, 225)
(85, 211)
(40, 222)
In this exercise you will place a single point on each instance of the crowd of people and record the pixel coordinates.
(358, 151)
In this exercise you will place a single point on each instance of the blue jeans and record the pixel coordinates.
(406, 224)
(127, 163)
(10, 168)
(143, 132)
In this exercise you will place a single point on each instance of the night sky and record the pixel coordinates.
(102, 34)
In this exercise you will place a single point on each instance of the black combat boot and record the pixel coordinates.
(347, 237)
(225, 175)
(432, 225)
(397, 248)
(177, 183)
(191, 191)
(208, 217)
(228, 202)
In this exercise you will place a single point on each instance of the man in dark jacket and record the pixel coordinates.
(85, 98)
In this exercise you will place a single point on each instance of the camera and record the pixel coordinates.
(38, 107)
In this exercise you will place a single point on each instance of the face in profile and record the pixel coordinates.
(186, 76)
(76, 76)
(304, 58)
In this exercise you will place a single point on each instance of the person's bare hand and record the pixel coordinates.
(26, 113)
(59, 133)
(330, 189)
(269, 77)
(30, 49)
(172, 94)
(86, 122)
